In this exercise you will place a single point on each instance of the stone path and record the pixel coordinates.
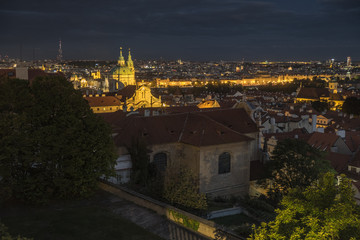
(151, 221)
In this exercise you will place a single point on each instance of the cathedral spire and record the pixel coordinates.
(121, 60)
(129, 58)
(129, 61)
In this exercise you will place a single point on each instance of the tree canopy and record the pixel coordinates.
(351, 106)
(323, 211)
(296, 164)
(181, 187)
(53, 145)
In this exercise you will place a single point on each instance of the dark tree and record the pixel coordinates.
(53, 145)
(296, 164)
(351, 106)
(320, 106)
(140, 162)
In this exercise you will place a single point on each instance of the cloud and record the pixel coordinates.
(163, 24)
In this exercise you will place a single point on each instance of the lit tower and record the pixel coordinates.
(348, 62)
(59, 56)
(121, 60)
(129, 62)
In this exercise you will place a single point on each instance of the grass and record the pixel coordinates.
(235, 220)
(214, 206)
(70, 220)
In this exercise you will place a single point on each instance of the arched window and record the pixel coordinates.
(160, 161)
(224, 163)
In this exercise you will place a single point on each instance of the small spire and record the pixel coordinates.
(121, 60)
(129, 58)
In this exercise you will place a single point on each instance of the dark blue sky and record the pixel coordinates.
(183, 29)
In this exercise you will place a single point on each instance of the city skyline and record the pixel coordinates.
(228, 30)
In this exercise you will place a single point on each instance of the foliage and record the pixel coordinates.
(320, 106)
(184, 220)
(284, 88)
(52, 144)
(321, 211)
(181, 187)
(216, 87)
(351, 106)
(296, 164)
(5, 235)
(314, 83)
(140, 162)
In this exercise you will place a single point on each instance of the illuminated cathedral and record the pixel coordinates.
(124, 72)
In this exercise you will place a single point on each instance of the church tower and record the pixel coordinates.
(129, 62)
(123, 74)
(121, 60)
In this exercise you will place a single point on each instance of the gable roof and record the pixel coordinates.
(235, 118)
(103, 101)
(127, 92)
(322, 141)
(313, 93)
(188, 128)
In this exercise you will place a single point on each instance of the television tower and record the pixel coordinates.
(59, 56)
(348, 62)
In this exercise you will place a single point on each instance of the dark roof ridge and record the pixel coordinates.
(218, 123)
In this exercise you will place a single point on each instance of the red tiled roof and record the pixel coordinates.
(170, 110)
(322, 141)
(189, 128)
(236, 119)
(352, 140)
(313, 93)
(301, 133)
(338, 161)
(103, 101)
(127, 92)
(113, 118)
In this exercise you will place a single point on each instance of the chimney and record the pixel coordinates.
(320, 130)
(313, 123)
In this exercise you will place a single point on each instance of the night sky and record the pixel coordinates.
(189, 30)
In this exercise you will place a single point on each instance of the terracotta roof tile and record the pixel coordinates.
(313, 93)
(338, 161)
(103, 101)
(236, 119)
(127, 92)
(322, 141)
(190, 128)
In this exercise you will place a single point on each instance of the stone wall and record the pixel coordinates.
(235, 182)
(185, 219)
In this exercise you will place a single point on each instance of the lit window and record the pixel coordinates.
(224, 163)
